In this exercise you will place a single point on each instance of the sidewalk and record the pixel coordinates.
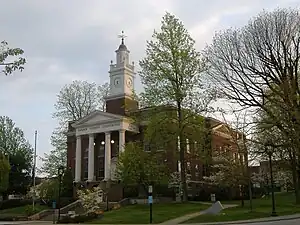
(181, 219)
(260, 220)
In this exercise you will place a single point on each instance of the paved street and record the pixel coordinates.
(281, 222)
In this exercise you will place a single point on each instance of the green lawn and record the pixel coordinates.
(139, 214)
(285, 205)
(21, 211)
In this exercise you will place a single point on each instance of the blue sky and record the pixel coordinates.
(70, 39)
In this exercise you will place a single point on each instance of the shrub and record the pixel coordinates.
(131, 191)
(79, 218)
(91, 199)
(30, 211)
(4, 217)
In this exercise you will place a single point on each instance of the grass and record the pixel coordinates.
(139, 214)
(285, 205)
(22, 210)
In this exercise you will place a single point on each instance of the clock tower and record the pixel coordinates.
(120, 98)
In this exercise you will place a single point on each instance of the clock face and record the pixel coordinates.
(129, 83)
(117, 82)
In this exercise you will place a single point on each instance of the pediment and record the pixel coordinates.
(222, 128)
(96, 117)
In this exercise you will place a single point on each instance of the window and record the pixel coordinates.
(85, 171)
(100, 169)
(188, 167)
(101, 151)
(187, 146)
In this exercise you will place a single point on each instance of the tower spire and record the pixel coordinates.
(122, 36)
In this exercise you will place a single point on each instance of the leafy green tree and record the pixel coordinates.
(48, 190)
(57, 156)
(138, 167)
(171, 73)
(4, 173)
(7, 53)
(20, 153)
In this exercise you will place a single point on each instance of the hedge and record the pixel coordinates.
(13, 203)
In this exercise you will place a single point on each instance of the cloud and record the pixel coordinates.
(70, 39)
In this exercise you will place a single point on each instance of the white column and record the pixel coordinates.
(121, 141)
(107, 161)
(91, 166)
(187, 146)
(78, 159)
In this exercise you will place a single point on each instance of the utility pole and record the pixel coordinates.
(33, 171)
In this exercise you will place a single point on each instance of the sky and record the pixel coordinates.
(75, 40)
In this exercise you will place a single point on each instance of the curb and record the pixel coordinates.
(260, 220)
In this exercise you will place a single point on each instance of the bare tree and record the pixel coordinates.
(74, 101)
(240, 129)
(103, 91)
(258, 66)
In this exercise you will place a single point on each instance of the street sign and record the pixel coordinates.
(150, 199)
(54, 205)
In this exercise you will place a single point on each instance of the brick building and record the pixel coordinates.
(93, 142)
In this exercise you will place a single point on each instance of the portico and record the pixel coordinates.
(99, 124)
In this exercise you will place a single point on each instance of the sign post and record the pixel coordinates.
(150, 201)
(54, 211)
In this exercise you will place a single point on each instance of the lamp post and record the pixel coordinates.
(60, 174)
(150, 201)
(34, 171)
(269, 147)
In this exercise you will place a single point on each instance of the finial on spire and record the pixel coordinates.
(122, 36)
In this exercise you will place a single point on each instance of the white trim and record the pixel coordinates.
(118, 96)
(114, 125)
(110, 116)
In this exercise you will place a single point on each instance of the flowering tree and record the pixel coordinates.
(175, 180)
(229, 171)
(46, 190)
(91, 198)
(283, 177)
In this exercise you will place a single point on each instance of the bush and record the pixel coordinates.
(29, 210)
(4, 217)
(13, 203)
(131, 191)
(163, 191)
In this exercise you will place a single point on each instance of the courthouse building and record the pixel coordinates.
(95, 140)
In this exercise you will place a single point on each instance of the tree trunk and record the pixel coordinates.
(295, 175)
(250, 195)
(295, 183)
(182, 154)
(297, 187)
(242, 195)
